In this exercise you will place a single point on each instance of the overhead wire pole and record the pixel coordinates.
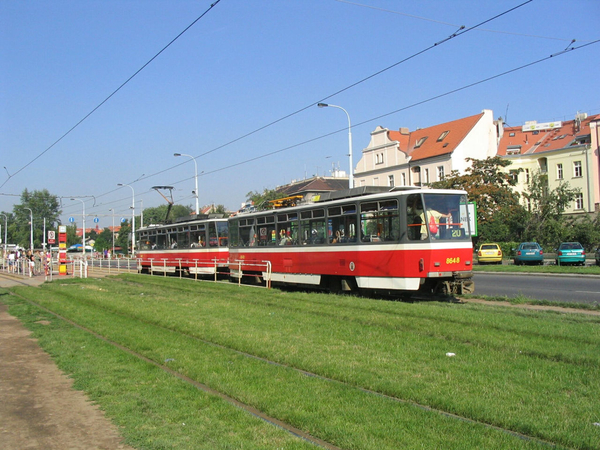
(195, 178)
(132, 217)
(83, 225)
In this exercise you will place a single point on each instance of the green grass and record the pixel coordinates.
(535, 373)
(581, 270)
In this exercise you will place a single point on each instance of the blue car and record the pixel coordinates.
(529, 253)
(570, 253)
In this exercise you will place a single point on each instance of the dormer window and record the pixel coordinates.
(420, 142)
(443, 135)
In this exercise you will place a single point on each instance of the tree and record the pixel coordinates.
(43, 205)
(260, 200)
(104, 240)
(546, 222)
(124, 238)
(499, 212)
(158, 214)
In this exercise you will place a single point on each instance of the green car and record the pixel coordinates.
(570, 253)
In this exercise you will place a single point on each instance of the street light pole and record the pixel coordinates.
(132, 217)
(195, 178)
(351, 174)
(83, 224)
(5, 235)
(30, 229)
(113, 231)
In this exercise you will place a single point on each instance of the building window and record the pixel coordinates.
(427, 176)
(514, 176)
(442, 136)
(420, 142)
(379, 158)
(559, 171)
(403, 179)
(577, 169)
(391, 180)
(440, 173)
(579, 201)
(527, 176)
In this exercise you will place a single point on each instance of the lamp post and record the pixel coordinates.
(30, 229)
(132, 217)
(83, 224)
(113, 231)
(351, 174)
(195, 178)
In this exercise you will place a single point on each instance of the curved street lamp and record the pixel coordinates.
(195, 178)
(132, 217)
(351, 173)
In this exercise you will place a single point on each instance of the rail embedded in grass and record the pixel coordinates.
(525, 372)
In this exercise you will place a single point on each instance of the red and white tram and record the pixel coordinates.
(368, 238)
(191, 247)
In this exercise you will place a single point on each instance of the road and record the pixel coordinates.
(564, 288)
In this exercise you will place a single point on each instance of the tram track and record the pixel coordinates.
(249, 408)
(201, 386)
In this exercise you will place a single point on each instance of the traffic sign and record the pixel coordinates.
(71, 219)
(96, 220)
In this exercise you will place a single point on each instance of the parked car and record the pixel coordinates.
(529, 253)
(598, 256)
(489, 253)
(570, 253)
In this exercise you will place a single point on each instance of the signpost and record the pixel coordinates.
(62, 250)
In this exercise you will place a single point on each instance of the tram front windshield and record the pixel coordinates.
(438, 217)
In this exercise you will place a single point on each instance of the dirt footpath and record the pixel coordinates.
(39, 409)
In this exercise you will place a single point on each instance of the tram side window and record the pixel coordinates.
(147, 241)
(313, 231)
(287, 229)
(161, 240)
(213, 240)
(247, 233)
(198, 236)
(415, 217)
(267, 235)
(379, 221)
(222, 233)
(172, 238)
(233, 231)
(183, 237)
(341, 224)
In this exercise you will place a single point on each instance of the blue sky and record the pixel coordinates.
(246, 64)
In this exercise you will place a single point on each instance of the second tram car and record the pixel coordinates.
(196, 246)
(361, 239)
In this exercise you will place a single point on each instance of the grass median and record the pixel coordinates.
(358, 373)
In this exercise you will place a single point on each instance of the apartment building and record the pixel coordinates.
(415, 158)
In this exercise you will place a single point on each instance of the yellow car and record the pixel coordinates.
(489, 253)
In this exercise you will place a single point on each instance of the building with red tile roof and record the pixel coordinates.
(565, 151)
(426, 155)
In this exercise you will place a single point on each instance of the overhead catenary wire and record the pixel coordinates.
(111, 94)
(372, 119)
(462, 30)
